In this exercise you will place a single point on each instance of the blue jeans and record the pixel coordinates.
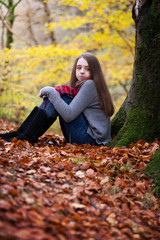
(75, 131)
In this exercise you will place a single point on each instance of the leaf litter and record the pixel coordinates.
(54, 190)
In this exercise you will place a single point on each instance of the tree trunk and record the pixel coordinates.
(10, 23)
(48, 20)
(139, 116)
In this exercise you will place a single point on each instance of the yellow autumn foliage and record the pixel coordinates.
(25, 71)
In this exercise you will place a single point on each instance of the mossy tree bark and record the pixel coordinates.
(139, 116)
(153, 170)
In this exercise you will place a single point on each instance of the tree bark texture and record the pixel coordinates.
(139, 116)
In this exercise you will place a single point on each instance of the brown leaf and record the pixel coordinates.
(4, 204)
(80, 174)
(78, 205)
(90, 173)
(112, 219)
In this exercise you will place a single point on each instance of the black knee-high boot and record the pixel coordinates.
(37, 127)
(23, 126)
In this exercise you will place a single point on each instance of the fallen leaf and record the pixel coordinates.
(80, 174)
(90, 173)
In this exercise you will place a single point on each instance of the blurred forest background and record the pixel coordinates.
(39, 40)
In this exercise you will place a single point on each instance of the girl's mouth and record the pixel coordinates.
(82, 78)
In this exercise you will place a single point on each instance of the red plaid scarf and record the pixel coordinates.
(66, 90)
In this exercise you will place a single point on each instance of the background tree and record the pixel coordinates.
(29, 14)
(48, 20)
(9, 18)
(37, 17)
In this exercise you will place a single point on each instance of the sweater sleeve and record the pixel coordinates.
(84, 99)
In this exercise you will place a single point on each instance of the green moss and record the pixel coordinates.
(148, 60)
(154, 8)
(150, 20)
(153, 171)
(139, 124)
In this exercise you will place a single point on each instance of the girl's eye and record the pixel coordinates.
(86, 68)
(78, 67)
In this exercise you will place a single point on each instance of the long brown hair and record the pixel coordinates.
(98, 78)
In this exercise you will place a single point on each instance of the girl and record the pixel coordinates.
(84, 107)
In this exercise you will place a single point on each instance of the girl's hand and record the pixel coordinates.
(45, 91)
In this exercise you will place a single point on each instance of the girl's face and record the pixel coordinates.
(82, 70)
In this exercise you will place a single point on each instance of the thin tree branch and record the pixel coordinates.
(15, 5)
(48, 17)
(30, 24)
(5, 4)
(10, 29)
(124, 86)
(120, 33)
(2, 35)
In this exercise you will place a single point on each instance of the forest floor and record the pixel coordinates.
(59, 191)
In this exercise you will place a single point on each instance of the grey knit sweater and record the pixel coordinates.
(85, 101)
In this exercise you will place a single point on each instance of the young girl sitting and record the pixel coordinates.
(84, 107)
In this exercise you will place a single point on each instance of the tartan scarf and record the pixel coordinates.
(69, 91)
(66, 90)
